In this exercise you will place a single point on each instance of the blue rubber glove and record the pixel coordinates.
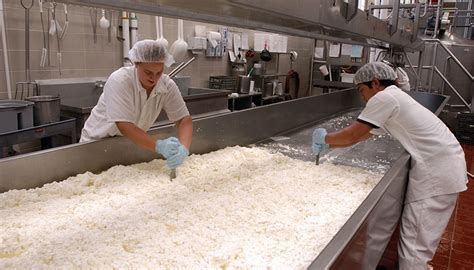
(178, 158)
(168, 147)
(319, 144)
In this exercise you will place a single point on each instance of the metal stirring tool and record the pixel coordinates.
(172, 174)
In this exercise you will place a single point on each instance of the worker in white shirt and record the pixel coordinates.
(438, 165)
(133, 98)
(403, 81)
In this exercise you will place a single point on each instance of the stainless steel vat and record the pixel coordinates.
(359, 243)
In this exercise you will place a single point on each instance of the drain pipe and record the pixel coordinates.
(133, 28)
(5, 51)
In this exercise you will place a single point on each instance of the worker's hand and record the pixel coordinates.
(178, 158)
(319, 144)
(168, 147)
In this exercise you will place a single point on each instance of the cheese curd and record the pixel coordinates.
(234, 208)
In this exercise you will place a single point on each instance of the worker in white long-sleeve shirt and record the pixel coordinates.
(133, 98)
(438, 165)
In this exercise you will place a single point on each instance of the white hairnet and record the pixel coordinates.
(374, 70)
(403, 79)
(150, 51)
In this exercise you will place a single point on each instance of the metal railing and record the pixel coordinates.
(434, 69)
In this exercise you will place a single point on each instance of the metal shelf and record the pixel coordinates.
(65, 125)
(332, 84)
(339, 64)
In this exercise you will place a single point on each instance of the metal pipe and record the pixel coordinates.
(390, 6)
(438, 11)
(411, 65)
(320, 61)
(445, 72)
(463, 26)
(452, 88)
(454, 22)
(416, 23)
(420, 64)
(467, 21)
(449, 84)
(453, 56)
(5, 51)
(27, 43)
(433, 65)
(176, 68)
(394, 19)
(470, 16)
(182, 67)
(311, 69)
(425, 10)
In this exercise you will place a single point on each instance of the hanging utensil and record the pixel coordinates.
(179, 47)
(103, 22)
(159, 31)
(44, 51)
(93, 16)
(109, 29)
(27, 85)
(58, 30)
(47, 37)
(66, 23)
(54, 24)
(115, 28)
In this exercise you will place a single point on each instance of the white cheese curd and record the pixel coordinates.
(234, 208)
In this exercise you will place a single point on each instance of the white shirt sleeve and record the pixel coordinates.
(379, 109)
(118, 94)
(174, 106)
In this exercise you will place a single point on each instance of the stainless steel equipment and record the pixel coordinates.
(360, 241)
(183, 83)
(45, 109)
(26, 88)
(244, 84)
(337, 20)
(80, 95)
(15, 114)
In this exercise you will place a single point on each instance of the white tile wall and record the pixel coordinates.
(82, 57)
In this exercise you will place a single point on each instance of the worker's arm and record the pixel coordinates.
(136, 135)
(350, 135)
(185, 130)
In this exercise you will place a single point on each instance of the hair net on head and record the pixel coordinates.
(374, 70)
(150, 51)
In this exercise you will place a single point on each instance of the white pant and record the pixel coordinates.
(423, 223)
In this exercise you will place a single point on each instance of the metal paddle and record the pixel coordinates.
(172, 174)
